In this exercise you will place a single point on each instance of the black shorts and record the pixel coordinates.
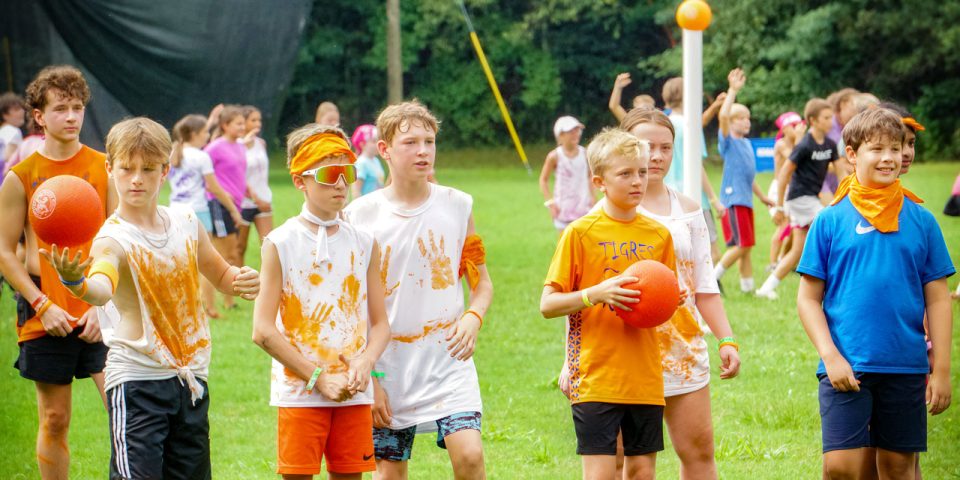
(249, 214)
(888, 412)
(24, 309)
(222, 221)
(156, 432)
(598, 424)
(58, 360)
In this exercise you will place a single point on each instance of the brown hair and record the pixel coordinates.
(183, 131)
(8, 101)
(325, 108)
(843, 95)
(673, 92)
(644, 100)
(400, 117)
(297, 137)
(138, 136)
(66, 80)
(611, 142)
(873, 124)
(228, 113)
(247, 110)
(641, 115)
(814, 106)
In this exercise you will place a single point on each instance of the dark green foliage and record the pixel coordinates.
(556, 57)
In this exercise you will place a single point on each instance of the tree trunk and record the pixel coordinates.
(394, 60)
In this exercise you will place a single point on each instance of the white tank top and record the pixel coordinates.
(420, 255)
(686, 364)
(323, 308)
(571, 187)
(176, 335)
(258, 174)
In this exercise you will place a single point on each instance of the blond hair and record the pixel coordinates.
(139, 136)
(297, 137)
(400, 117)
(673, 92)
(642, 115)
(738, 110)
(615, 142)
(873, 124)
(325, 108)
(644, 100)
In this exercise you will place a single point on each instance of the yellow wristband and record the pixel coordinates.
(43, 307)
(735, 345)
(104, 267)
(586, 300)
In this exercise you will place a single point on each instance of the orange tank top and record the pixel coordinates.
(87, 164)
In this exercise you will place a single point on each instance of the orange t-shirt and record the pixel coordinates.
(609, 361)
(87, 164)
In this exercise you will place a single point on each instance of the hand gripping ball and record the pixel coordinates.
(66, 210)
(659, 294)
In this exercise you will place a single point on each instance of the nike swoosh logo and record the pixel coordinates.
(367, 457)
(861, 229)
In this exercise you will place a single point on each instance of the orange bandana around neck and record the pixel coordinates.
(880, 206)
(317, 148)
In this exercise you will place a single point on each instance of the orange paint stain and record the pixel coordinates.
(427, 330)
(170, 291)
(384, 268)
(315, 279)
(441, 271)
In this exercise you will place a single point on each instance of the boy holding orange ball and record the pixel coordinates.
(59, 335)
(616, 374)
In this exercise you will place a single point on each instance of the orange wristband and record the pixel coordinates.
(44, 307)
(475, 314)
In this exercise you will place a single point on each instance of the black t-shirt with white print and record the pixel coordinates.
(812, 160)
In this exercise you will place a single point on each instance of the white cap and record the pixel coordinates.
(565, 124)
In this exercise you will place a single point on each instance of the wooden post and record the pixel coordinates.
(394, 54)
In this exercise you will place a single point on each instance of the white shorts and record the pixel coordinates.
(803, 210)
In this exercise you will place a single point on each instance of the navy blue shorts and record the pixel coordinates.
(888, 412)
(598, 423)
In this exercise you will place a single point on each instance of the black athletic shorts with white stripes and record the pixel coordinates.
(157, 433)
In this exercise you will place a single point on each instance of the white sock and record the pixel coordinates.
(770, 284)
(718, 271)
(747, 285)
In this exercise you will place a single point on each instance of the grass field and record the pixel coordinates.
(766, 420)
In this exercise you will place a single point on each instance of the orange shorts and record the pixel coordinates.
(344, 435)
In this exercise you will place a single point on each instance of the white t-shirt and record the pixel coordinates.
(176, 336)
(258, 173)
(420, 253)
(323, 308)
(187, 186)
(9, 135)
(686, 364)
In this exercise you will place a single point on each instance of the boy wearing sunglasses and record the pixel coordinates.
(321, 316)
(428, 241)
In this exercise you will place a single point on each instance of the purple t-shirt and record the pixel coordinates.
(230, 167)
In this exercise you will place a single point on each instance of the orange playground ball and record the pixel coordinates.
(694, 15)
(66, 210)
(659, 294)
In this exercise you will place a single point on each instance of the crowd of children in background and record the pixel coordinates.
(360, 301)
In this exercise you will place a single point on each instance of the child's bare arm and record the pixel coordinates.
(762, 195)
(554, 303)
(616, 96)
(712, 110)
(711, 193)
(462, 339)
(378, 335)
(736, 79)
(937, 299)
(240, 281)
(810, 309)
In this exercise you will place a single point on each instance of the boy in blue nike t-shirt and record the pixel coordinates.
(874, 261)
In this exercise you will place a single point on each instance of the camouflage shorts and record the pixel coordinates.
(397, 445)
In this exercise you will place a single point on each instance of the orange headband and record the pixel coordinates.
(912, 123)
(317, 148)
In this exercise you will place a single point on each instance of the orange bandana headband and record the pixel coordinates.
(913, 124)
(317, 148)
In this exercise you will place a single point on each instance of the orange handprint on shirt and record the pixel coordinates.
(440, 268)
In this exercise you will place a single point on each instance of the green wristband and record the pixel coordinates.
(376, 374)
(728, 340)
(313, 378)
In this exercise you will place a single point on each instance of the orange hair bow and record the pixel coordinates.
(913, 123)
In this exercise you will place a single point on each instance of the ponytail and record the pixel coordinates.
(183, 132)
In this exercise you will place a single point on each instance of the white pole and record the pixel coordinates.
(692, 112)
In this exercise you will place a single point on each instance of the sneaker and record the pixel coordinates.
(768, 294)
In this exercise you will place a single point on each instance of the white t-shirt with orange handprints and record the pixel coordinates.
(323, 307)
(420, 253)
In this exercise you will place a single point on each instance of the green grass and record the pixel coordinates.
(766, 420)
